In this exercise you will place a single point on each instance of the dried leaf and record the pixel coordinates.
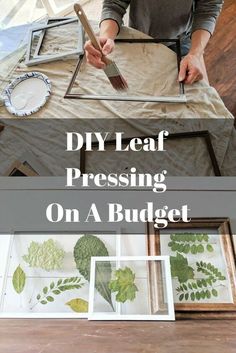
(78, 305)
(124, 285)
(47, 256)
(18, 280)
(85, 248)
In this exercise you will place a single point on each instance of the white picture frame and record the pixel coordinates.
(41, 59)
(92, 315)
(114, 232)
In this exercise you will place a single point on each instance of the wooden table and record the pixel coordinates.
(81, 336)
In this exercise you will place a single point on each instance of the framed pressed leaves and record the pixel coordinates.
(202, 266)
(46, 274)
(127, 283)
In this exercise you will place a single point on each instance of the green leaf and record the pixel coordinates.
(198, 295)
(200, 248)
(47, 256)
(192, 296)
(86, 247)
(124, 285)
(194, 249)
(50, 299)
(78, 305)
(210, 248)
(18, 280)
(186, 296)
(180, 268)
(214, 292)
(181, 297)
(59, 282)
(44, 302)
(199, 283)
(45, 290)
(205, 237)
(56, 292)
(70, 284)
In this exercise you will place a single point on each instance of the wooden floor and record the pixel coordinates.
(81, 336)
(221, 56)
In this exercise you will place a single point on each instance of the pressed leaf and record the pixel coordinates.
(47, 256)
(78, 305)
(198, 295)
(86, 247)
(210, 248)
(67, 284)
(186, 296)
(45, 290)
(44, 302)
(124, 285)
(180, 268)
(181, 297)
(56, 292)
(50, 299)
(18, 280)
(59, 282)
(214, 292)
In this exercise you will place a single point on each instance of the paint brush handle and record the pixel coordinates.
(88, 29)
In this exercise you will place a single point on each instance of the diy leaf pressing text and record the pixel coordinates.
(76, 141)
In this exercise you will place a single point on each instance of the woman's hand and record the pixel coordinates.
(94, 56)
(191, 69)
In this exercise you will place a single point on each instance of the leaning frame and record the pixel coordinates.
(181, 98)
(40, 59)
(179, 135)
(200, 311)
(118, 316)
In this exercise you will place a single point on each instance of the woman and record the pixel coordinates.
(193, 21)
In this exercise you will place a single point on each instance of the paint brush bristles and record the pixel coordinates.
(111, 70)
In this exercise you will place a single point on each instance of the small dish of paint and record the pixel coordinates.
(27, 94)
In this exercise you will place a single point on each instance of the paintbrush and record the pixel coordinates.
(111, 69)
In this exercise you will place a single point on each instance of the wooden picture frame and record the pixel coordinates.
(28, 165)
(200, 308)
(19, 169)
(181, 98)
(35, 58)
(172, 136)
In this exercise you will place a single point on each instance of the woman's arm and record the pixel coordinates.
(192, 67)
(111, 20)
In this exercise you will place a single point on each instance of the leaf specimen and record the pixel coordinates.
(86, 247)
(180, 268)
(190, 243)
(18, 280)
(209, 270)
(78, 305)
(124, 285)
(47, 256)
(48, 293)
